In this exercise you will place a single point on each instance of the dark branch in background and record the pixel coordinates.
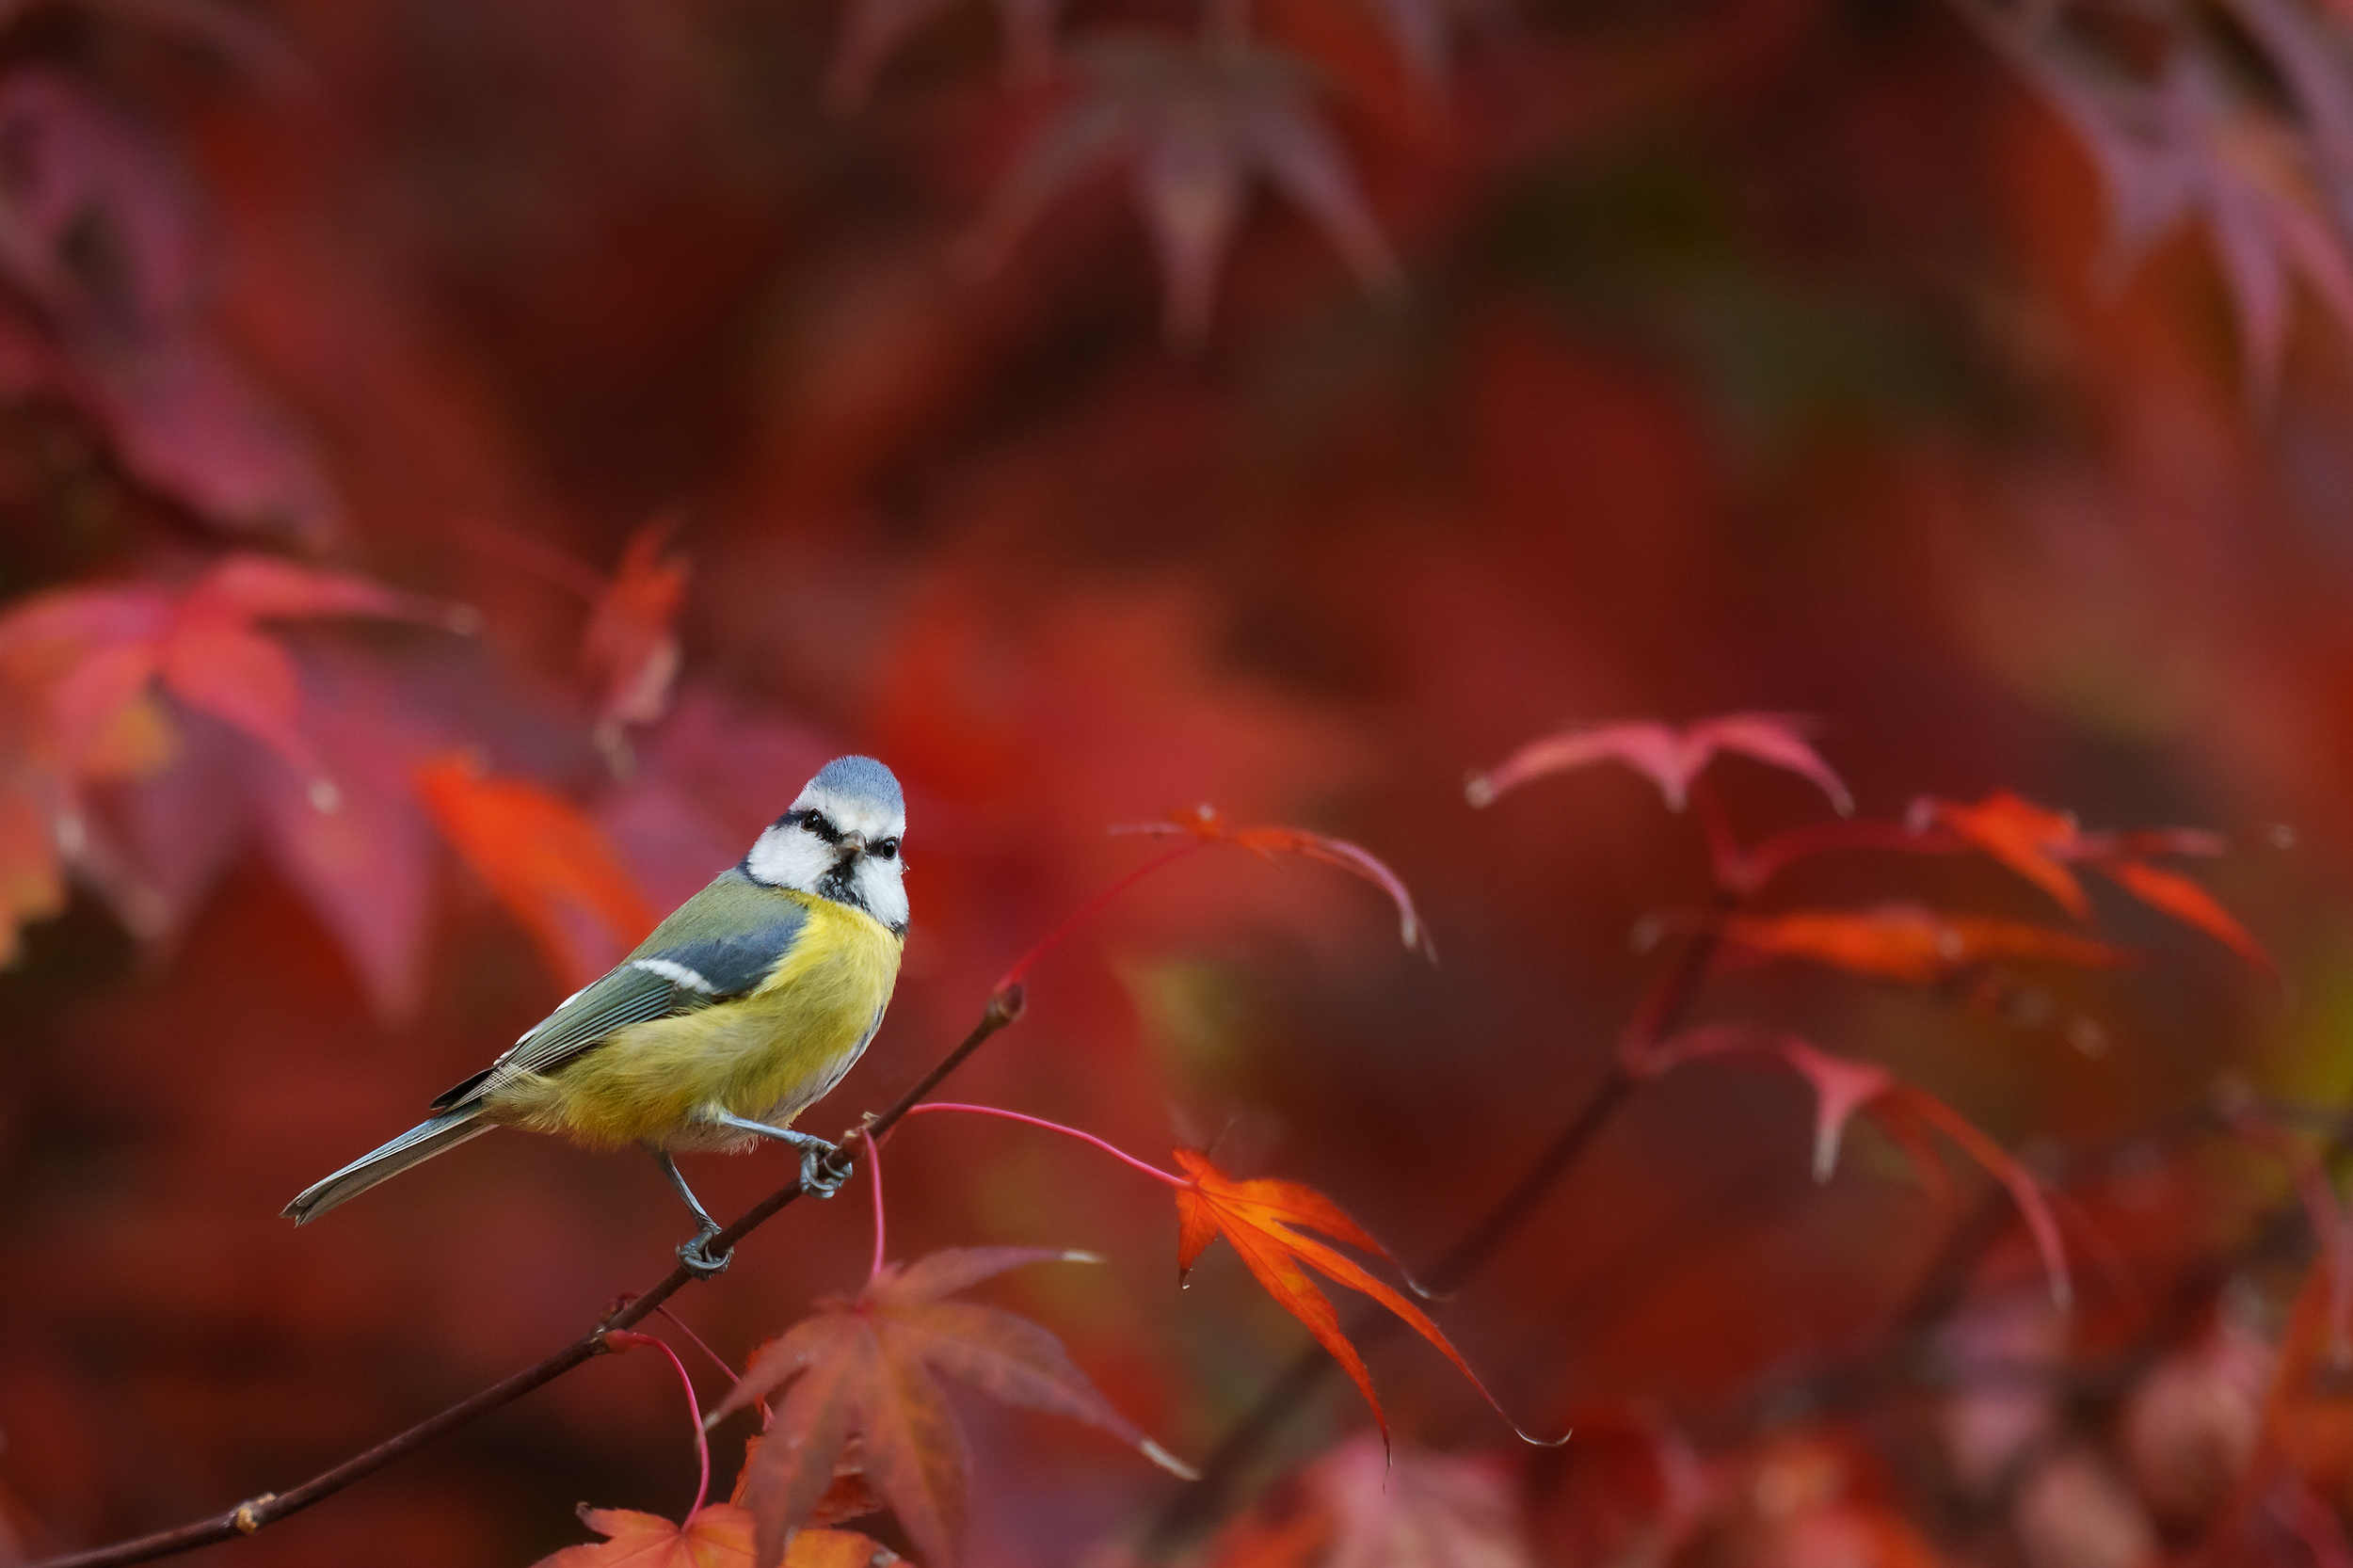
(1003, 1007)
(1199, 1505)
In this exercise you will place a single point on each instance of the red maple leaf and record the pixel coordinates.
(1843, 1087)
(95, 653)
(863, 1370)
(1669, 757)
(2187, 902)
(81, 671)
(365, 867)
(2030, 840)
(152, 841)
(1196, 124)
(2041, 845)
(1263, 1219)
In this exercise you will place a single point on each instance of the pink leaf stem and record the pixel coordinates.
(680, 1325)
(873, 1169)
(629, 1341)
(1088, 910)
(1116, 1153)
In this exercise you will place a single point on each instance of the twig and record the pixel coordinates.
(250, 1516)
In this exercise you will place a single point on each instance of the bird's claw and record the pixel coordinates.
(823, 1168)
(695, 1254)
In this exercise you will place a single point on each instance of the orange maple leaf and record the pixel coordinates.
(718, 1536)
(1669, 757)
(1259, 1217)
(2030, 840)
(546, 862)
(1909, 942)
(863, 1370)
(2176, 895)
(2040, 844)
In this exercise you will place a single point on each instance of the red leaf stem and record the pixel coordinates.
(629, 1339)
(1087, 911)
(1116, 1153)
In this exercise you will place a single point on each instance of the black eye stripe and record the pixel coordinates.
(815, 822)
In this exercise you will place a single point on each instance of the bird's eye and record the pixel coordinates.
(887, 849)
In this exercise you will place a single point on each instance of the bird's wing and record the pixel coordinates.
(670, 973)
(625, 995)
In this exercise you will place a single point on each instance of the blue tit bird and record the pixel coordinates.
(742, 1010)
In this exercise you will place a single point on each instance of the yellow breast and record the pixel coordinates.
(766, 1056)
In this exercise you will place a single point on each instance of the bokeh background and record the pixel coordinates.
(1292, 407)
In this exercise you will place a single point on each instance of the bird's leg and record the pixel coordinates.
(823, 1168)
(695, 1253)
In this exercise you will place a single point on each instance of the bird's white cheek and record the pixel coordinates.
(789, 857)
(886, 893)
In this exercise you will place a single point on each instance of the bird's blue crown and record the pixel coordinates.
(861, 778)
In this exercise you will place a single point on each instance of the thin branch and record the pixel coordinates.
(250, 1516)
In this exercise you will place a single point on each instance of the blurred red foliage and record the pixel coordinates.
(1974, 375)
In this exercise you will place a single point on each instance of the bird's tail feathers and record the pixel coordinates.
(420, 1142)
